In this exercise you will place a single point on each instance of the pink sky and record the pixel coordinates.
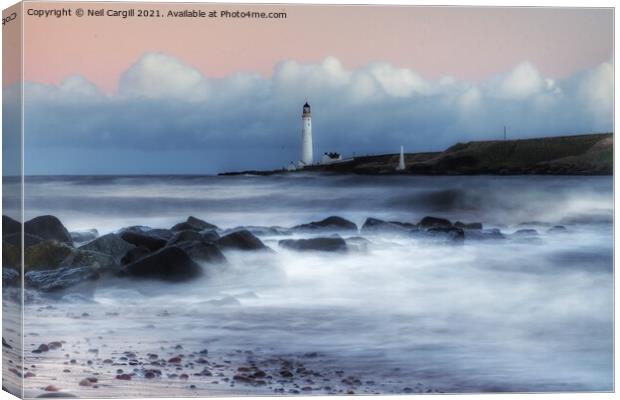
(467, 43)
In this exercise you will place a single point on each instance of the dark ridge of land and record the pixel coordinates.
(589, 154)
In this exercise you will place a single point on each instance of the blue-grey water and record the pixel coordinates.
(508, 315)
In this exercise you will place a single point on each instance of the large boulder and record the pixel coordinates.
(46, 255)
(10, 277)
(374, 225)
(84, 236)
(95, 259)
(526, 236)
(9, 225)
(151, 242)
(240, 240)
(451, 235)
(170, 264)
(332, 244)
(330, 223)
(210, 235)
(59, 279)
(557, 229)
(135, 254)
(110, 244)
(471, 225)
(484, 234)
(263, 230)
(195, 245)
(203, 252)
(160, 233)
(193, 224)
(185, 236)
(434, 222)
(16, 238)
(48, 227)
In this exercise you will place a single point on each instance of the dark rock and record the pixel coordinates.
(193, 224)
(84, 236)
(87, 258)
(158, 233)
(526, 236)
(526, 233)
(484, 234)
(434, 222)
(203, 252)
(374, 225)
(557, 229)
(59, 279)
(449, 234)
(134, 255)
(165, 234)
(472, 225)
(240, 240)
(170, 263)
(329, 223)
(110, 244)
(10, 277)
(151, 242)
(48, 227)
(15, 239)
(9, 226)
(406, 225)
(210, 235)
(333, 244)
(46, 255)
(185, 236)
(264, 230)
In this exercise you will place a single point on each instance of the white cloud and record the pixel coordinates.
(523, 81)
(596, 92)
(368, 109)
(160, 76)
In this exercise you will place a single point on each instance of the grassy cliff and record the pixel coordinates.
(590, 154)
(565, 155)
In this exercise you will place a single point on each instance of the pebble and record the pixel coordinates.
(124, 377)
(51, 388)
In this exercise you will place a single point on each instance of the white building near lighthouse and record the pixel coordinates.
(306, 137)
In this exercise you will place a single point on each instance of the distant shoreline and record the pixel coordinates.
(588, 154)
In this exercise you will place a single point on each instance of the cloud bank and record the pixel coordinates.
(167, 117)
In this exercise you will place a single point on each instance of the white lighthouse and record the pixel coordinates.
(306, 136)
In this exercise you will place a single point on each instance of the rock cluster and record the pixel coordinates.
(57, 260)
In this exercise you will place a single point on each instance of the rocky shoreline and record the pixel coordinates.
(56, 260)
(63, 362)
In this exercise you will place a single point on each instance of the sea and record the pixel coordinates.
(400, 315)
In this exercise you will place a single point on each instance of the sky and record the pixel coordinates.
(107, 95)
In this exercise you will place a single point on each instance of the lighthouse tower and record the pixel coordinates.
(306, 136)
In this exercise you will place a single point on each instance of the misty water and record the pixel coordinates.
(404, 315)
